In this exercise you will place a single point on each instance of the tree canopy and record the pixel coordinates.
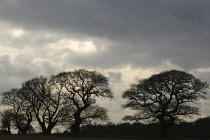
(82, 88)
(165, 97)
(47, 99)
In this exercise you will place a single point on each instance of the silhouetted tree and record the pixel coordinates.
(7, 117)
(164, 97)
(21, 108)
(82, 88)
(47, 99)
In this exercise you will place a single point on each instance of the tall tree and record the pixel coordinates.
(47, 100)
(82, 87)
(165, 97)
(21, 108)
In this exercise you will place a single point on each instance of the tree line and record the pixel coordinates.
(69, 98)
(196, 129)
(66, 97)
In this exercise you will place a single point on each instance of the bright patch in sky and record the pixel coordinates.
(16, 32)
(74, 45)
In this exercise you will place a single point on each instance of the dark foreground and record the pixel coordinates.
(67, 137)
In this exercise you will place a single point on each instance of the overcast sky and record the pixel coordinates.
(126, 40)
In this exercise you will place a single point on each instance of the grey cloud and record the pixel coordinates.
(14, 73)
(118, 19)
(115, 76)
(185, 53)
(143, 33)
(11, 74)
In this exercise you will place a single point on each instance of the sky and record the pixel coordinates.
(126, 40)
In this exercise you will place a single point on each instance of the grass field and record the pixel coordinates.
(59, 137)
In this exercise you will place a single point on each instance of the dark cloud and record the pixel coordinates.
(144, 33)
(187, 53)
(118, 19)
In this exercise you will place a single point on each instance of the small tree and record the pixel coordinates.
(82, 88)
(21, 108)
(7, 117)
(165, 97)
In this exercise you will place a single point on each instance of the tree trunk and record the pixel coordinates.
(8, 130)
(50, 127)
(75, 128)
(47, 131)
(163, 132)
(44, 130)
(165, 125)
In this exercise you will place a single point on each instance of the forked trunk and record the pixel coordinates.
(48, 130)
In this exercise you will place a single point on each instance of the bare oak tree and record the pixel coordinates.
(82, 88)
(21, 108)
(165, 97)
(48, 102)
